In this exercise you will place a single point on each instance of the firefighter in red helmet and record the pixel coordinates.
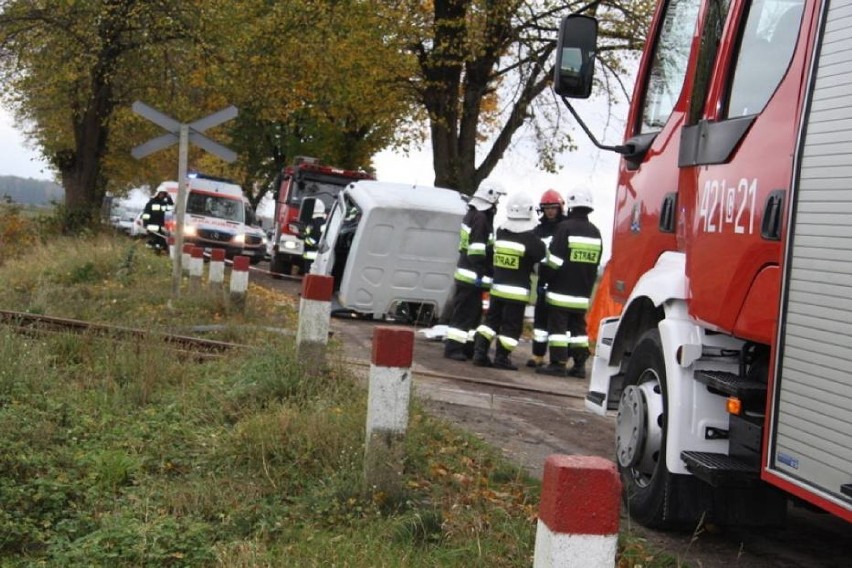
(552, 211)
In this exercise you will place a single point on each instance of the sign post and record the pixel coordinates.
(182, 134)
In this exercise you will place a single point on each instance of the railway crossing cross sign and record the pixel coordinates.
(182, 134)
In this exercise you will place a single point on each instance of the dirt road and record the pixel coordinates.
(531, 416)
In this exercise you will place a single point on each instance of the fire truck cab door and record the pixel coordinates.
(736, 155)
(647, 180)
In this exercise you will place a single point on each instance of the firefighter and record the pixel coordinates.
(516, 252)
(574, 255)
(552, 209)
(473, 270)
(154, 218)
(313, 233)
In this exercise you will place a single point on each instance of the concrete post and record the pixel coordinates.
(314, 316)
(186, 255)
(239, 281)
(387, 408)
(196, 266)
(579, 513)
(216, 271)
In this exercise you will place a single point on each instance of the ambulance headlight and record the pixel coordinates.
(289, 245)
(240, 238)
(190, 230)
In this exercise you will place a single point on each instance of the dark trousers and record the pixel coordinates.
(567, 335)
(505, 319)
(466, 315)
(539, 347)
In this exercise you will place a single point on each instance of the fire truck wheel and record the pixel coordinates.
(654, 496)
(278, 265)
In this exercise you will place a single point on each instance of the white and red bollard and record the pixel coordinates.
(216, 270)
(579, 513)
(186, 255)
(239, 281)
(196, 265)
(387, 408)
(314, 318)
(170, 241)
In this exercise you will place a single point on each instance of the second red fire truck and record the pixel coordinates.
(305, 181)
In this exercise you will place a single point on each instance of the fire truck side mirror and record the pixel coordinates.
(575, 57)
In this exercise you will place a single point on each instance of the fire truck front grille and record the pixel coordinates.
(219, 236)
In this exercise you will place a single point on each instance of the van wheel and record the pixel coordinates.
(279, 265)
(655, 497)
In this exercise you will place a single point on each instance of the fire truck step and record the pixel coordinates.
(732, 384)
(720, 470)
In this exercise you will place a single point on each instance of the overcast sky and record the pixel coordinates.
(517, 171)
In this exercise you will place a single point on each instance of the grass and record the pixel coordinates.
(115, 454)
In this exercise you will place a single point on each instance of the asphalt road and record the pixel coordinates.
(529, 417)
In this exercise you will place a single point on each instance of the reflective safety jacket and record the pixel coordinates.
(573, 256)
(544, 230)
(546, 227)
(515, 256)
(313, 234)
(154, 214)
(476, 242)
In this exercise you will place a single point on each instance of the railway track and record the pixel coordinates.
(193, 347)
(200, 348)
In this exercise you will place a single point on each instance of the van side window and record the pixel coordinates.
(766, 48)
(668, 67)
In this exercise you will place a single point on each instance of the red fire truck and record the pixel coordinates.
(309, 181)
(729, 366)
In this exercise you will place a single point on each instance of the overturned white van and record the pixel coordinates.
(392, 249)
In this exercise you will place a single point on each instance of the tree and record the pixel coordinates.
(67, 65)
(310, 77)
(483, 66)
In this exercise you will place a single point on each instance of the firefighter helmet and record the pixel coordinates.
(487, 195)
(319, 209)
(520, 213)
(551, 197)
(580, 197)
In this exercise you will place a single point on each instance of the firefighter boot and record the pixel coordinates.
(502, 360)
(480, 352)
(535, 361)
(554, 369)
(468, 349)
(454, 350)
(580, 355)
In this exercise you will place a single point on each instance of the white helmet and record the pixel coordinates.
(319, 209)
(520, 206)
(579, 197)
(487, 195)
(520, 213)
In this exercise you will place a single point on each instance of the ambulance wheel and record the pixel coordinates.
(655, 497)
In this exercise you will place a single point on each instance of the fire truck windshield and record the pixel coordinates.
(326, 190)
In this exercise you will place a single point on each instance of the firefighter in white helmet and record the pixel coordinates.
(517, 250)
(154, 218)
(574, 255)
(313, 234)
(473, 270)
